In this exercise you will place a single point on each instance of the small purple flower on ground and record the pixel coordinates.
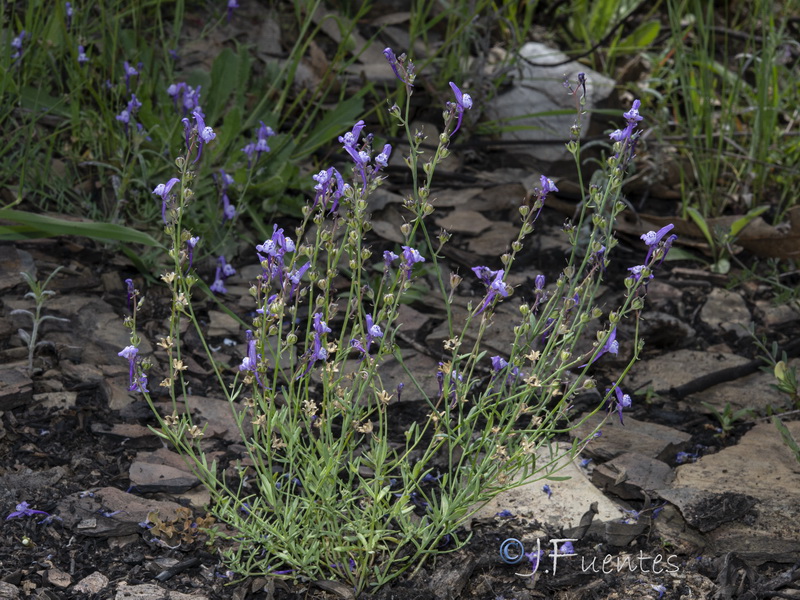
(567, 548)
(163, 189)
(505, 514)
(23, 510)
(546, 489)
(463, 102)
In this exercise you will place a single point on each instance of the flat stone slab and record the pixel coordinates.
(631, 474)
(109, 512)
(713, 495)
(161, 471)
(563, 508)
(640, 437)
(726, 310)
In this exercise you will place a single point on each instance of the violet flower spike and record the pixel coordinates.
(204, 133)
(130, 71)
(68, 12)
(463, 102)
(390, 56)
(82, 58)
(163, 189)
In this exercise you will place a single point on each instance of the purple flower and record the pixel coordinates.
(652, 238)
(373, 331)
(250, 362)
(494, 282)
(24, 510)
(16, 44)
(204, 133)
(623, 401)
(325, 189)
(410, 258)
(260, 145)
(547, 186)
(228, 209)
(538, 283)
(505, 514)
(636, 272)
(463, 102)
(68, 13)
(295, 276)
(130, 71)
(567, 548)
(403, 68)
(633, 118)
(388, 258)
(163, 189)
(382, 160)
(131, 292)
(611, 347)
(82, 58)
(224, 270)
(318, 350)
(546, 489)
(136, 382)
(232, 4)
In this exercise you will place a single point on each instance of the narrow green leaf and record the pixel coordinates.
(34, 225)
(701, 224)
(224, 75)
(642, 36)
(739, 224)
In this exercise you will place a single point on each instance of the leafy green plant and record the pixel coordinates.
(720, 241)
(40, 294)
(787, 437)
(330, 489)
(778, 366)
(597, 28)
(728, 417)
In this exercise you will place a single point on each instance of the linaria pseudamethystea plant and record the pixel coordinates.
(327, 488)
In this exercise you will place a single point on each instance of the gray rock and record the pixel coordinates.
(91, 584)
(640, 437)
(538, 89)
(630, 474)
(726, 310)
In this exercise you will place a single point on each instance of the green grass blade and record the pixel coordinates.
(32, 225)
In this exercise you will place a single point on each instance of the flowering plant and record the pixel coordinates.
(326, 487)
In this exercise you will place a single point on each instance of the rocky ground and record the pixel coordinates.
(665, 506)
